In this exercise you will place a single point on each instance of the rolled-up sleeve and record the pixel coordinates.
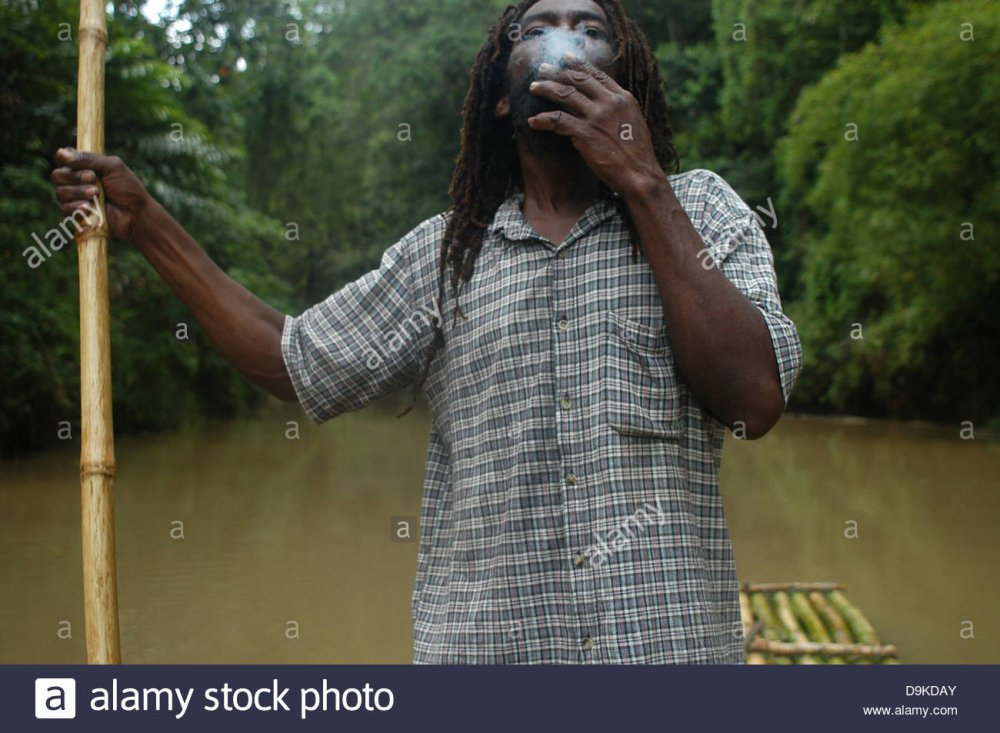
(748, 262)
(362, 342)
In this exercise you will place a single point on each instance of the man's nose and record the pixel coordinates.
(560, 40)
(572, 36)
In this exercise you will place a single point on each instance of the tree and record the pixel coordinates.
(158, 379)
(894, 158)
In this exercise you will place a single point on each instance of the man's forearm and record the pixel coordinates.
(244, 329)
(720, 341)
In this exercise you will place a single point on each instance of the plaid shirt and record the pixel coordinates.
(571, 509)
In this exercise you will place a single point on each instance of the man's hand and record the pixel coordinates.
(604, 122)
(245, 330)
(125, 197)
(719, 337)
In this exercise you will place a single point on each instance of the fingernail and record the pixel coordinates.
(91, 191)
(570, 56)
(545, 67)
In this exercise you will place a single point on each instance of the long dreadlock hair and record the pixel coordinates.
(487, 169)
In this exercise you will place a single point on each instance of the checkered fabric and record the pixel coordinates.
(571, 509)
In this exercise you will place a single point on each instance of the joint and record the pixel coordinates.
(101, 34)
(97, 468)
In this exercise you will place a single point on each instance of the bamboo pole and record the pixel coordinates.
(805, 613)
(862, 629)
(834, 621)
(762, 611)
(786, 616)
(808, 623)
(746, 615)
(798, 648)
(822, 587)
(769, 631)
(97, 451)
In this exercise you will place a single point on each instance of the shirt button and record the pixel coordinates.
(571, 479)
(579, 560)
(563, 324)
(587, 643)
(565, 402)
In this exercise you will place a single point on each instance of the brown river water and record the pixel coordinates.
(239, 542)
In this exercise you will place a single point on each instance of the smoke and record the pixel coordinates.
(524, 104)
(557, 42)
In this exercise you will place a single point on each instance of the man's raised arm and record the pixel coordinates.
(244, 329)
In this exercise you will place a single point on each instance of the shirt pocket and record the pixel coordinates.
(641, 394)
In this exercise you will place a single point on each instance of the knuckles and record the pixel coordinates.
(619, 103)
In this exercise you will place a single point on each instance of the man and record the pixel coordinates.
(579, 392)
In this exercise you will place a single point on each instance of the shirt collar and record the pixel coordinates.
(511, 222)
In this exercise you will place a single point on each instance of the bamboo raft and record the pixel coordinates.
(807, 623)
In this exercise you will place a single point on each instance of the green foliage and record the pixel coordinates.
(693, 77)
(771, 49)
(297, 139)
(679, 22)
(157, 380)
(883, 218)
(766, 52)
(369, 145)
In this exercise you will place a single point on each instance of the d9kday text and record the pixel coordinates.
(931, 690)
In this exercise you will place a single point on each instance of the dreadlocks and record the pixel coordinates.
(487, 170)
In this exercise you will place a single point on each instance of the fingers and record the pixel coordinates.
(72, 198)
(64, 154)
(581, 88)
(603, 78)
(76, 160)
(588, 71)
(67, 176)
(574, 78)
(564, 94)
(67, 194)
(67, 209)
(591, 82)
(559, 122)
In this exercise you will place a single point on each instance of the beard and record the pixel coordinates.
(524, 104)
